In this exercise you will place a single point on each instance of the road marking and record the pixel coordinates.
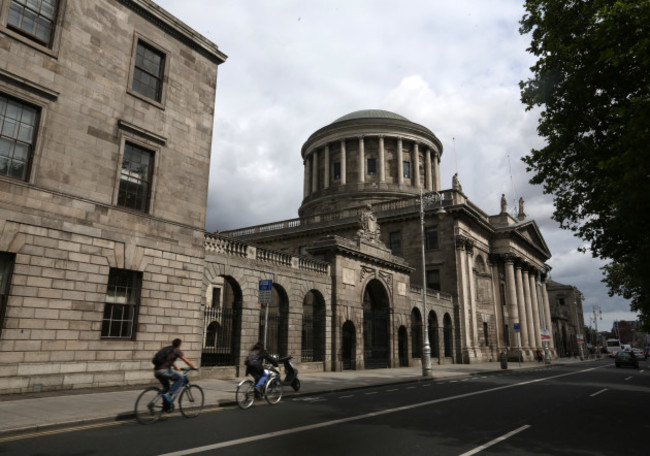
(410, 387)
(390, 391)
(598, 392)
(426, 384)
(310, 427)
(628, 377)
(346, 397)
(497, 440)
(371, 392)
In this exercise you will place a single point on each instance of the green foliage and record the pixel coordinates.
(592, 80)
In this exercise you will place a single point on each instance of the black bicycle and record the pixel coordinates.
(150, 405)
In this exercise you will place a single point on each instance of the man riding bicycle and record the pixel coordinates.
(166, 370)
(254, 364)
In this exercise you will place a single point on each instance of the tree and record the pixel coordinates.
(592, 81)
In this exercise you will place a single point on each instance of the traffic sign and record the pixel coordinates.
(517, 327)
(264, 290)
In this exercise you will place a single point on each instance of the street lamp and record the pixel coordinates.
(426, 348)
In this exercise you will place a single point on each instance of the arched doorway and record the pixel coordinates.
(277, 333)
(313, 327)
(447, 330)
(416, 333)
(222, 319)
(433, 334)
(403, 350)
(376, 324)
(349, 345)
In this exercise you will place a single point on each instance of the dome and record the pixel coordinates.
(371, 114)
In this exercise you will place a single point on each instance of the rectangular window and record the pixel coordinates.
(336, 171)
(486, 338)
(433, 279)
(406, 167)
(216, 298)
(6, 267)
(396, 242)
(18, 123)
(431, 237)
(34, 19)
(122, 303)
(372, 166)
(148, 72)
(135, 178)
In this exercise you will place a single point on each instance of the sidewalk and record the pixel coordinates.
(24, 414)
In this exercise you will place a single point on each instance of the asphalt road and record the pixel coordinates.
(590, 408)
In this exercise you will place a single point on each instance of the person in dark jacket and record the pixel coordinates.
(254, 364)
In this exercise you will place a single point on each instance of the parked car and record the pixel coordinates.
(639, 353)
(613, 354)
(626, 358)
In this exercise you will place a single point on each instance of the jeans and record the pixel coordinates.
(262, 379)
(165, 375)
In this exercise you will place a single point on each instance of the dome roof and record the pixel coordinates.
(371, 114)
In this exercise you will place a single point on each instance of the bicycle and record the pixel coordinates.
(149, 405)
(271, 389)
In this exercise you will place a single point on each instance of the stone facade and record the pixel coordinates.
(86, 234)
(567, 316)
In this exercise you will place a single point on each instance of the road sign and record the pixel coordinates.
(265, 287)
(546, 334)
(517, 327)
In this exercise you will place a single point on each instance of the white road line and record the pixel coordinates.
(628, 377)
(255, 438)
(371, 392)
(390, 391)
(495, 441)
(598, 392)
(346, 397)
(410, 387)
(426, 384)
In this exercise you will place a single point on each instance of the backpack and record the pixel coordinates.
(160, 357)
(253, 358)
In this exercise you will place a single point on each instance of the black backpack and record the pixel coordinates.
(160, 357)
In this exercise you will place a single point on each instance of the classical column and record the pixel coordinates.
(382, 160)
(529, 308)
(326, 159)
(498, 307)
(305, 183)
(547, 311)
(523, 325)
(533, 295)
(400, 162)
(427, 171)
(463, 298)
(469, 250)
(344, 168)
(416, 165)
(436, 169)
(362, 161)
(511, 295)
(314, 170)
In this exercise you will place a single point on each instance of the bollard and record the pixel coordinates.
(504, 360)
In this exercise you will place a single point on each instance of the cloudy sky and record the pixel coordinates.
(295, 66)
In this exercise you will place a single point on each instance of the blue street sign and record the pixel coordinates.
(264, 294)
(517, 327)
(266, 284)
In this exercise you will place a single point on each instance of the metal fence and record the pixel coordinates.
(221, 337)
(313, 338)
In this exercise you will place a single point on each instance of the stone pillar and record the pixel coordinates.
(400, 162)
(382, 160)
(416, 165)
(344, 168)
(314, 171)
(427, 171)
(326, 159)
(533, 295)
(547, 311)
(469, 249)
(498, 307)
(436, 170)
(362, 161)
(462, 297)
(511, 298)
(521, 307)
(529, 308)
(305, 182)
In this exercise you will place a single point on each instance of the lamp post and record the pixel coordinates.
(426, 347)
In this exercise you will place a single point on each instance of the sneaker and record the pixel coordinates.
(258, 392)
(167, 398)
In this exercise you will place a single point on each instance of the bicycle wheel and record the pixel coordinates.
(191, 401)
(245, 394)
(273, 391)
(149, 405)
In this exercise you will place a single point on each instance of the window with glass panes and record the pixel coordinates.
(431, 237)
(433, 279)
(406, 168)
(396, 242)
(18, 123)
(135, 178)
(336, 170)
(122, 302)
(34, 19)
(372, 166)
(6, 266)
(148, 72)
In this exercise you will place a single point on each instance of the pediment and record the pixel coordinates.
(531, 233)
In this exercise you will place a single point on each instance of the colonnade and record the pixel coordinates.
(322, 155)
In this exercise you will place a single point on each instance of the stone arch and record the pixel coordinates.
(313, 327)
(447, 336)
(416, 333)
(222, 322)
(349, 345)
(433, 329)
(276, 334)
(376, 325)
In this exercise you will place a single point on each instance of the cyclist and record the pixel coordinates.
(254, 365)
(169, 371)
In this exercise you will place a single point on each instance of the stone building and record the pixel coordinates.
(361, 213)
(106, 113)
(567, 317)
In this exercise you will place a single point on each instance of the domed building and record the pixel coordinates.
(407, 261)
